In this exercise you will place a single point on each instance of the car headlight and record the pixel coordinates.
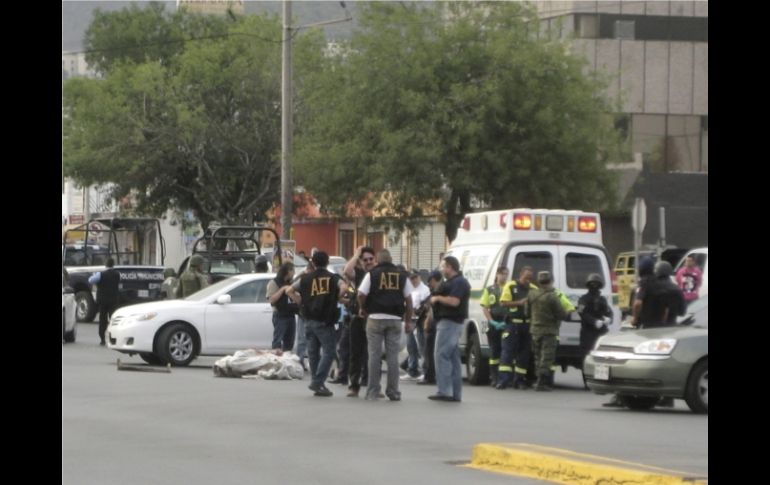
(145, 316)
(656, 347)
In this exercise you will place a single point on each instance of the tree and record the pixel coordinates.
(456, 102)
(183, 125)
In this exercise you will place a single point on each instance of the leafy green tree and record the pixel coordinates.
(192, 124)
(456, 102)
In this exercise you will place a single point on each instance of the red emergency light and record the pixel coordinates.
(502, 220)
(467, 223)
(522, 221)
(587, 224)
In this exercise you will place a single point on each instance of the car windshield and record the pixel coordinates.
(209, 290)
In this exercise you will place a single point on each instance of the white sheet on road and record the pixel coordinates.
(263, 363)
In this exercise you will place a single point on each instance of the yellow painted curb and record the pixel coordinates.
(571, 468)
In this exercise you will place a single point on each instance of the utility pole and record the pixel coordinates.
(287, 110)
(287, 187)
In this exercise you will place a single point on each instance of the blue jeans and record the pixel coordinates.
(301, 338)
(283, 332)
(414, 355)
(448, 365)
(321, 342)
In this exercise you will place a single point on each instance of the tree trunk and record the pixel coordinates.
(459, 205)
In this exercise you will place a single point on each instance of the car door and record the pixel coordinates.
(246, 322)
(578, 262)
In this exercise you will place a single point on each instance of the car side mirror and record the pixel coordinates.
(69, 290)
(223, 299)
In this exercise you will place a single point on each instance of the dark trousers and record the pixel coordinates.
(283, 331)
(343, 351)
(105, 312)
(522, 348)
(359, 353)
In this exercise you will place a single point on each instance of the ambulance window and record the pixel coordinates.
(579, 266)
(540, 261)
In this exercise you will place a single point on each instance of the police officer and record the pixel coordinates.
(595, 313)
(516, 340)
(318, 293)
(193, 278)
(659, 301)
(385, 299)
(547, 312)
(495, 314)
(108, 282)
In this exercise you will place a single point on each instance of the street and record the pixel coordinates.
(189, 427)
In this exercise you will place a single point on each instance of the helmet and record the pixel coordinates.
(594, 279)
(196, 261)
(663, 268)
(544, 277)
(261, 259)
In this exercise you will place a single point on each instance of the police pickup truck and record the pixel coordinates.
(135, 244)
(228, 251)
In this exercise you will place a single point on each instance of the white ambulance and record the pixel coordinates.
(568, 243)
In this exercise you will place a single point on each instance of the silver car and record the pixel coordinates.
(641, 366)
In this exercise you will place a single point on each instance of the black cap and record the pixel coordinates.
(435, 275)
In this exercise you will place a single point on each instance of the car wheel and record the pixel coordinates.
(639, 403)
(151, 359)
(475, 366)
(697, 392)
(85, 306)
(176, 345)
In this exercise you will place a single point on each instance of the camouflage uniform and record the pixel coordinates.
(547, 313)
(192, 279)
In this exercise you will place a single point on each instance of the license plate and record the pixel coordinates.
(602, 372)
(144, 293)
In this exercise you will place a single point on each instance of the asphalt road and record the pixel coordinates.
(189, 427)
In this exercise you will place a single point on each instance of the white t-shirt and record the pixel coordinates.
(366, 285)
(419, 295)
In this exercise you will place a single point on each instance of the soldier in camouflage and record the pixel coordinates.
(193, 278)
(546, 312)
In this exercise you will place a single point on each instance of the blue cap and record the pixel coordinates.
(646, 266)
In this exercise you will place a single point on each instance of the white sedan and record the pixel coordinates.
(68, 321)
(230, 315)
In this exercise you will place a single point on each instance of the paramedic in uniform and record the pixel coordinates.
(516, 339)
(495, 314)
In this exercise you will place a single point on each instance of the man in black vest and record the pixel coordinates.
(318, 293)
(107, 283)
(385, 299)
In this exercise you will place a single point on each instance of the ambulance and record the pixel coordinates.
(568, 243)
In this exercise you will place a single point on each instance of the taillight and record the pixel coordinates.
(614, 279)
(522, 221)
(467, 223)
(587, 224)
